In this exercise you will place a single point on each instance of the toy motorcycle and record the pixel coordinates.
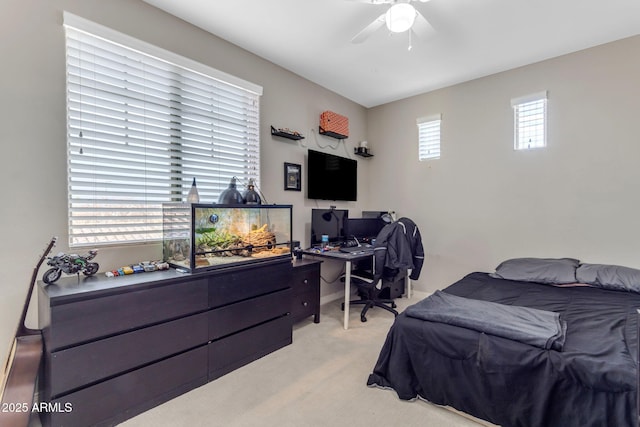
(70, 264)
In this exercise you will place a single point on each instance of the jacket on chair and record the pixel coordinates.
(398, 248)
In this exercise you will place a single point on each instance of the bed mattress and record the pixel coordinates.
(591, 382)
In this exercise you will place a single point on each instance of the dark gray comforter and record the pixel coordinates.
(591, 382)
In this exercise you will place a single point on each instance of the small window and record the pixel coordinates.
(530, 121)
(429, 137)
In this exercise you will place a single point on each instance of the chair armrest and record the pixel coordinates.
(359, 275)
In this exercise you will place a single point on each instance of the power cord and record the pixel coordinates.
(337, 277)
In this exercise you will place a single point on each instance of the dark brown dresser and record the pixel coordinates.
(305, 289)
(115, 347)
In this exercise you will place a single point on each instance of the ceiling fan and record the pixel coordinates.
(401, 16)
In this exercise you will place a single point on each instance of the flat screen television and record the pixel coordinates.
(331, 177)
(328, 222)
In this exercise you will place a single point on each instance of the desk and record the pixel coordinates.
(347, 258)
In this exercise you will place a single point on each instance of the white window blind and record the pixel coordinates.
(530, 117)
(141, 126)
(429, 137)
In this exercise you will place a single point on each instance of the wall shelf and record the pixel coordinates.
(359, 151)
(286, 133)
(331, 134)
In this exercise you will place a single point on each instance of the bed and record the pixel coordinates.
(591, 381)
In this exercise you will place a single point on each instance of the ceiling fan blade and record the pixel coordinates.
(368, 30)
(374, 1)
(421, 27)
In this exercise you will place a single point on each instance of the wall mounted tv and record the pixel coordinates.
(331, 177)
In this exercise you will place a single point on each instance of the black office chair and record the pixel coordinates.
(398, 253)
(370, 295)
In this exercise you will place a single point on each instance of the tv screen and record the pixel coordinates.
(331, 177)
(328, 222)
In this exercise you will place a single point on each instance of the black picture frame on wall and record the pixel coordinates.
(292, 172)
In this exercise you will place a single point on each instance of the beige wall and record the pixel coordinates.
(483, 202)
(34, 206)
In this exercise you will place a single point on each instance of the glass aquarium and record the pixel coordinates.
(205, 236)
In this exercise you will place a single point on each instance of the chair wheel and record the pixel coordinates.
(363, 319)
(342, 306)
(393, 305)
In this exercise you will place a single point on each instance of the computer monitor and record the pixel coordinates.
(364, 228)
(328, 222)
(373, 214)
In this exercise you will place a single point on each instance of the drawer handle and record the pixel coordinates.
(305, 281)
(305, 304)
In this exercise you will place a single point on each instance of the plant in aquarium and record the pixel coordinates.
(221, 243)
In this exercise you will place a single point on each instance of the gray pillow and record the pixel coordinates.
(609, 277)
(539, 270)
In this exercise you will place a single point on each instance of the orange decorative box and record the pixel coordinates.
(333, 124)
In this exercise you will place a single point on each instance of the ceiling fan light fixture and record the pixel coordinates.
(400, 17)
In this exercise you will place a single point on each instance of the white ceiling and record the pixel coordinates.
(471, 38)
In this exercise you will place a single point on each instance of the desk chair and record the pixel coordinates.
(370, 295)
(398, 252)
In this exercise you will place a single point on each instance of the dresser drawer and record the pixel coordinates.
(305, 279)
(227, 288)
(304, 305)
(242, 315)
(234, 351)
(122, 397)
(90, 319)
(86, 364)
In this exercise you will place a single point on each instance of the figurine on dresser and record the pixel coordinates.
(70, 264)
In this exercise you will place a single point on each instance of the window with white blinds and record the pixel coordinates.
(530, 121)
(142, 123)
(429, 137)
